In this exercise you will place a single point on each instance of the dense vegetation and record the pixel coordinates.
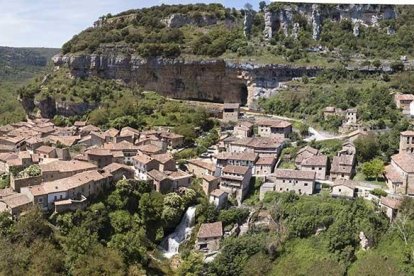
(146, 32)
(17, 66)
(315, 236)
(116, 235)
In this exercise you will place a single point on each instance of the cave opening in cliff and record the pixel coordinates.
(243, 95)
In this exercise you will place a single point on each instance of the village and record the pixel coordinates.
(63, 169)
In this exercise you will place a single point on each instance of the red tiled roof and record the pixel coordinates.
(294, 174)
(405, 161)
(211, 230)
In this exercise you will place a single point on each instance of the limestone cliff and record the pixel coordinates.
(216, 80)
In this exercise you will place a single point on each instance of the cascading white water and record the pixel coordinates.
(172, 242)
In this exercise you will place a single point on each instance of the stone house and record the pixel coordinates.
(243, 129)
(110, 134)
(94, 139)
(86, 130)
(218, 198)
(87, 184)
(235, 181)
(209, 237)
(165, 162)
(119, 171)
(128, 149)
(33, 143)
(344, 188)
(264, 165)
(274, 128)
(348, 148)
(259, 145)
(169, 181)
(129, 131)
(407, 141)
(329, 111)
(303, 154)
(143, 164)
(173, 140)
(317, 163)
(236, 159)
(404, 101)
(15, 204)
(63, 169)
(399, 174)
(46, 152)
(390, 206)
(150, 149)
(210, 183)
(99, 157)
(231, 112)
(343, 167)
(301, 182)
(16, 142)
(351, 116)
(200, 168)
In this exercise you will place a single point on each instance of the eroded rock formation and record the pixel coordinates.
(215, 80)
(360, 15)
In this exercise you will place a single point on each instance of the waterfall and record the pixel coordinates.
(172, 242)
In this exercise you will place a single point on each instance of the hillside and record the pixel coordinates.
(287, 32)
(17, 67)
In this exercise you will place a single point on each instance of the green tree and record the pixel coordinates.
(373, 168)
(192, 265)
(100, 261)
(367, 147)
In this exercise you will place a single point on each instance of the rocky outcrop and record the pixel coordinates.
(269, 23)
(214, 80)
(248, 23)
(49, 107)
(361, 15)
(179, 20)
(316, 22)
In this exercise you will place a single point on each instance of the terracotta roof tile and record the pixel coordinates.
(210, 230)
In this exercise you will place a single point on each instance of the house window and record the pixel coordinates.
(280, 189)
(284, 181)
(339, 190)
(320, 169)
(55, 197)
(313, 168)
(305, 184)
(40, 200)
(61, 196)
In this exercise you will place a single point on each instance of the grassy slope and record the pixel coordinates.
(306, 257)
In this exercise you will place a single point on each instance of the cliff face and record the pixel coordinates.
(217, 80)
(282, 19)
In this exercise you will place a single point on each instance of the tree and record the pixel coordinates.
(131, 245)
(100, 261)
(262, 5)
(192, 265)
(121, 221)
(376, 63)
(373, 169)
(379, 192)
(172, 210)
(367, 147)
